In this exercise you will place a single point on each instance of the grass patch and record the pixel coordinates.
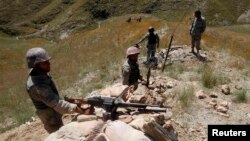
(208, 77)
(239, 28)
(185, 96)
(241, 95)
(174, 70)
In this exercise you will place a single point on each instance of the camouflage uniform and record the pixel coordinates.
(45, 97)
(196, 30)
(130, 74)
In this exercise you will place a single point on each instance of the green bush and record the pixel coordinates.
(208, 77)
(241, 95)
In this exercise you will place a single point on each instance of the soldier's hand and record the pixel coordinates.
(86, 111)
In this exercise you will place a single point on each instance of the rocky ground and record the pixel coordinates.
(180, 86)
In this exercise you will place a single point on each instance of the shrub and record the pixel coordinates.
(241, 95)
(185, 96)
(208, 77)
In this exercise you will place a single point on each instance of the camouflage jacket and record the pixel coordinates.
(130, 73)
(44, 94)
(198, 26)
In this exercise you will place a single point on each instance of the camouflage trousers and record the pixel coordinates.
(196, 41)
(151, 51)
(51, 120)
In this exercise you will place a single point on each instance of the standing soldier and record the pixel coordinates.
(44, 94)
(196, 30)
(130, 69)
(153, 43)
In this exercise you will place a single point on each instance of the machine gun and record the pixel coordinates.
(111, 104)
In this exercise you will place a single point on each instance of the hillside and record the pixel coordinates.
(51, 19)
(93, 33)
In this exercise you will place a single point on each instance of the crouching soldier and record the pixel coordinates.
(130, 69)
(44, 94)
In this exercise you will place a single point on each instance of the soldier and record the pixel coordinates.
(153, 43)
(44, 94)
(130, 69)
(196, 30)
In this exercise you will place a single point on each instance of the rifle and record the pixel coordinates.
(111, 104)
(169, 46)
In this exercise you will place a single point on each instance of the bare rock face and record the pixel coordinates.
(225, 89)
(200, 94)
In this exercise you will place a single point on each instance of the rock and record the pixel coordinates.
(74, 131)
(224, 104)
(213, 95)
(213, 104)
(238, 87)
(248, 115)
(158, 133)
(225, 89)
(158, 90)
(120, 131)
(159, 100)
(101, 137)
(200, 94)
(170, 84)
(168, 125)
(83, 118)
(126, 118)
(224, 115)
(137, 123)
(168, 115)
(222, 109)
(137, 99)
(114, 91)
(159, 118)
